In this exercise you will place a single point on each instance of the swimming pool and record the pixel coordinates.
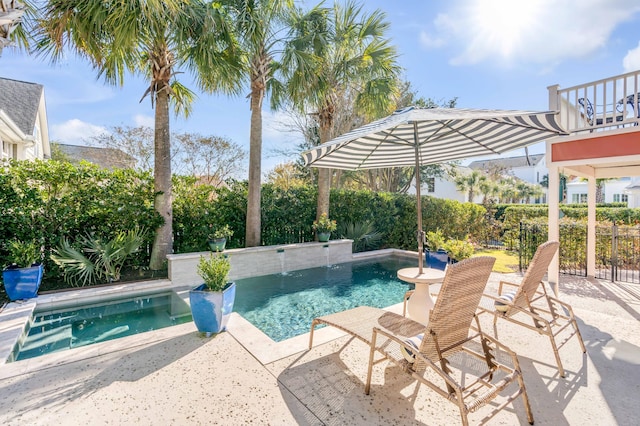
(283, 305)
(280, 305)
(75, 326)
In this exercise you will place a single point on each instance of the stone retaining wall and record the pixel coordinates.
(265, 260)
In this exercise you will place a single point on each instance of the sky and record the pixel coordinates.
(494, 54)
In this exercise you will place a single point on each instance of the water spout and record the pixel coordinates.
(280, 253)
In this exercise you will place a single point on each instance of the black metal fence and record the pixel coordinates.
(617, 250)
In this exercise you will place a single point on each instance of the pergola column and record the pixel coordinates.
(554, 227)
(591, 226)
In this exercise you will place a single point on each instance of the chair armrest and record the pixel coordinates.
(507, 283)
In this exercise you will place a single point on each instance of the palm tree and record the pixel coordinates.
(256, 22)
(332, 55)
(16, 18)
(153, 38)
(470, 183)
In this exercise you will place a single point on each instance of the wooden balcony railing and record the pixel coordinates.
(603, 105)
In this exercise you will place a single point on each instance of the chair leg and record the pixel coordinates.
(556, 353)
(523, 390)
(372, 351)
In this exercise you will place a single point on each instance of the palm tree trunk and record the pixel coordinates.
(324, 175)
(253, 237)
(163, 243)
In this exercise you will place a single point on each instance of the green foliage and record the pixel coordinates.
(24, 253)
(214, 271)
(223, 232)
(97, 261)
(324, 224)
(46, 201)
(363, 235)
(459, 249)
(435, 240)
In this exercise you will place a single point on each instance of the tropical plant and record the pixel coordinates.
(155, 39)
(257, 24)
(18, 18)
(223, 232)
(459, 249)
(363, 235)
(214, 271)
(470, 183)
(333, 55)
(435, 240)
(96, 260)
(324, 224)
(24, 253)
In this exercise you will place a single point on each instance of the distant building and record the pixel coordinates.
(24, 133)
(530, 168)
(107, 158)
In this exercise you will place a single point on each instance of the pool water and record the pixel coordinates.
(283, 305)
(72, 327)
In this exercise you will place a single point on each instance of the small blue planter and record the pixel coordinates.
(437, 259)
(22, 283)
(211, 309)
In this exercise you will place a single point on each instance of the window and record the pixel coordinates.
(620, 198)
(431, 184)
(579, 198)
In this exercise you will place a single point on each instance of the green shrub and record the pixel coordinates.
(214, 271)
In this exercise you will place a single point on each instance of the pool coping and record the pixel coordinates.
(15, 316)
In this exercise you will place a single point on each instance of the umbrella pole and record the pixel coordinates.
(418, 201)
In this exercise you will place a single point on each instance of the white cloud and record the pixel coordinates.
(631, 61)
(534, 32)
(144, 120)
(75, 132)
(431, 42)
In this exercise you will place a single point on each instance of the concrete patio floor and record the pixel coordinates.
(175, 376)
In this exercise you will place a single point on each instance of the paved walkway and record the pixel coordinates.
(176, 377)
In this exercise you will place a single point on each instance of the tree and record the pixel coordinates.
(16, 20)
(286, 176)
(153, 38)
(256, 22)
(470, 183)
(134, 141)
(212, 159)
(333, 55)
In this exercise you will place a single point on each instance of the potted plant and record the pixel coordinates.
(218, 238)
(212, 301)
(23, 277)
(436, 255)
(324, 227)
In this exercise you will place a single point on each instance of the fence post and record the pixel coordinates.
(522, 245)
(614, 251)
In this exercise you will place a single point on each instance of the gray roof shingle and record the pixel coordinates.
(108, 158)
(508, 163)
(20, 101)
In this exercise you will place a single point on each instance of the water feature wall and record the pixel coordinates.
(264, 260)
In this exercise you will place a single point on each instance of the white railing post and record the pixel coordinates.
(554, 101)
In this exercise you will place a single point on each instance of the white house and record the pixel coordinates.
(24, 133)
(531, 169)
(621, 190)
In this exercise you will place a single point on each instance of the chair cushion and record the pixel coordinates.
(414, 343)
(502, 305)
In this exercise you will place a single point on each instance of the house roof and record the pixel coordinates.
(108, 158)
(20, 101)
(508, 163)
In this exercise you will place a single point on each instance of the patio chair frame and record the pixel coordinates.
(446, 338)
(549, 315)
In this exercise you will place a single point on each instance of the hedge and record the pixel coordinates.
(46, 201)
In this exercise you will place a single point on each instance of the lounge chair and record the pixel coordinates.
(464, 369)
(547, 315)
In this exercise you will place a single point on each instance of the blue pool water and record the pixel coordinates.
(283, 305)
(71, 327)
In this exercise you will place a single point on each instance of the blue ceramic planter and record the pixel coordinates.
(22, 283)
(437, 259)
(211, 309)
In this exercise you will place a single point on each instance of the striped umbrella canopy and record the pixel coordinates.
(421, 136)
